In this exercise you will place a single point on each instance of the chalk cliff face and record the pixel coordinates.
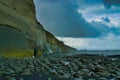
(21, 33)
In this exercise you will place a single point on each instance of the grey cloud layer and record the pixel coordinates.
(109, 3)
(62, 19)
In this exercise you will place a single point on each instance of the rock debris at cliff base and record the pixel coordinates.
(80, 67)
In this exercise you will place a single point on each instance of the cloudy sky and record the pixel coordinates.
(83, 24)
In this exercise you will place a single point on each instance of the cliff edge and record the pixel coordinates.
(20, 32)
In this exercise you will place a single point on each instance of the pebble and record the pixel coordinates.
(26, 72)
(77, 74)
(66, 76)
(99, 68)
(54, 72)
(114, 59)
(103, 79)
(21, 78)
(61, 72)
(17, 69)
(76, 68)
(113, 79)
(91, 79)
(30, 66)
(49, 79)
(80, 78)
(9, 70)
(10, 78)
(66, 63)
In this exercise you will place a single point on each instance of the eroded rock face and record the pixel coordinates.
(17, 19)
(12, 40)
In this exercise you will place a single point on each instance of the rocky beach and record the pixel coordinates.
(61, 67)
(30, 52)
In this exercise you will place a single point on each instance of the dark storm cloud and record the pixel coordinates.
(62, 19)
(108, 6)
(68, 18)
(106, 19)
(109, 3)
